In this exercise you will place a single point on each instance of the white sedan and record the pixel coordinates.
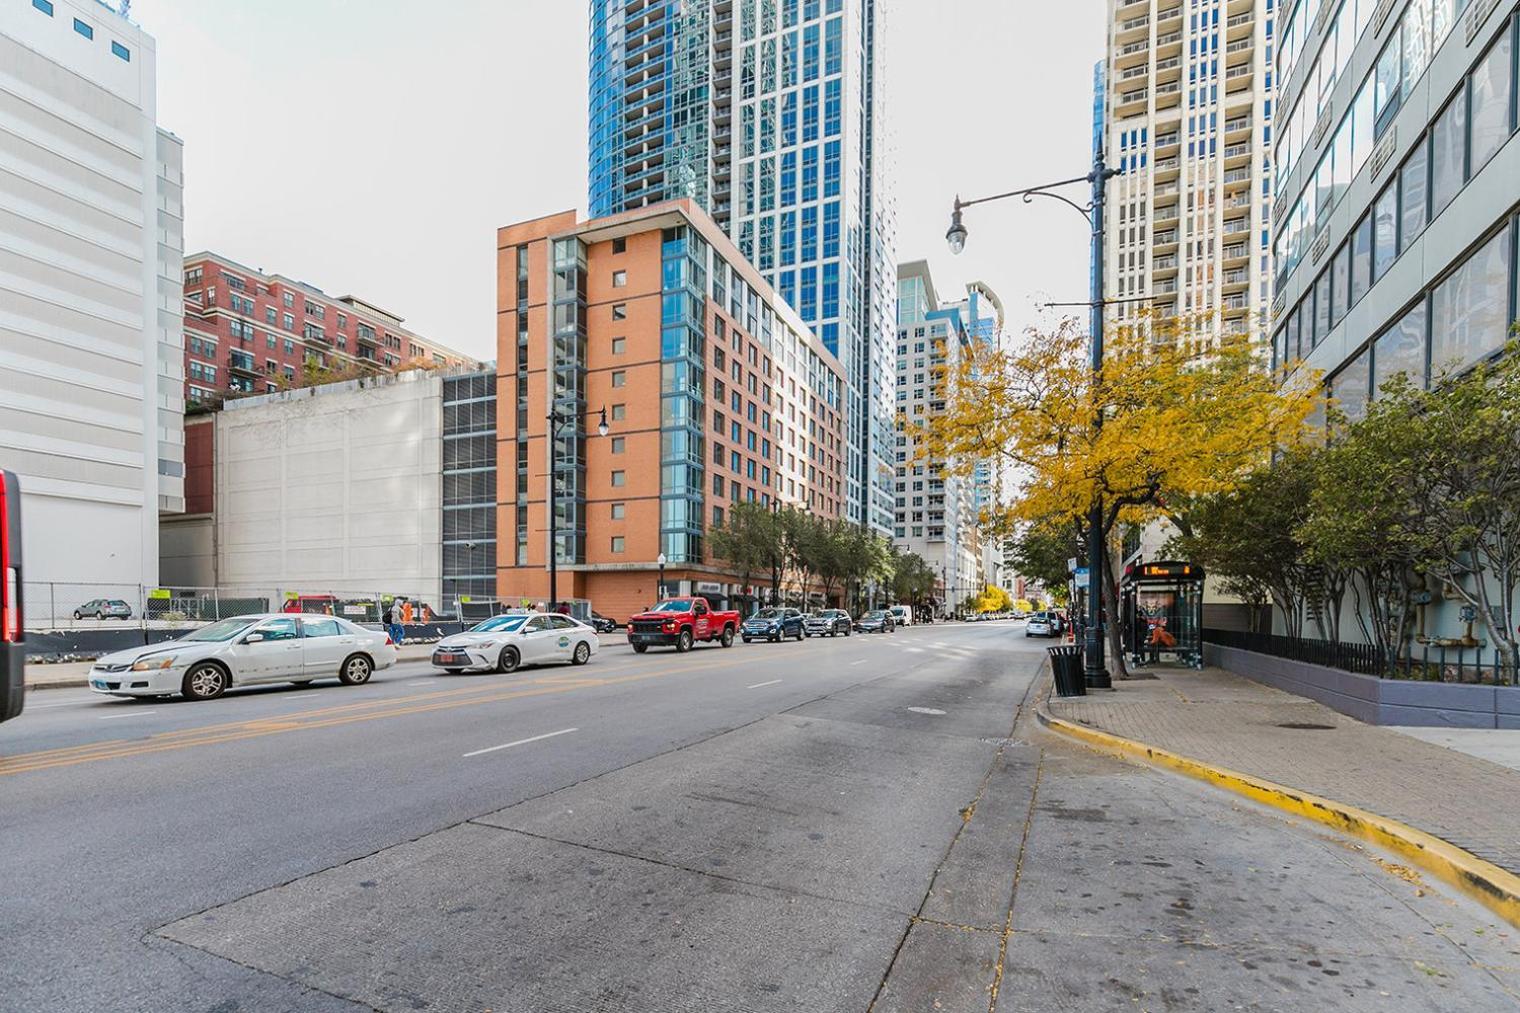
(272, 647)
(502, 643)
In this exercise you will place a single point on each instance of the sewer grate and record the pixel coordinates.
(1306, 726)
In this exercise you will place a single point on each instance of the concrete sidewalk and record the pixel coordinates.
(1225, 721)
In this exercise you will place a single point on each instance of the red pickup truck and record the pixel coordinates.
(681, 622)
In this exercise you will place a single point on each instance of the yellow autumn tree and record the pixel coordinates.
(1184, 416)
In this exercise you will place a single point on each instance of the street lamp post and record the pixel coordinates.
(1096, 672)
(660, 592)
(557, 421)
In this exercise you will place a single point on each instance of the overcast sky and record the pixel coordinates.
(373, 147)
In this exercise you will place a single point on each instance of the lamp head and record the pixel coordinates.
(956, 236)
(601, 426)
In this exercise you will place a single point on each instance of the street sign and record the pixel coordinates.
(159, 593)
(1079, 574)
(1071, 565)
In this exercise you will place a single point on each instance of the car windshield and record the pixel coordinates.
(678, 605)
(874, 615)
(768, 614)
(224, 630)
(499, 624)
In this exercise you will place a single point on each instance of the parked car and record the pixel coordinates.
(902, 615)
(773, 624)
(270, 647)
(104, 608)
(601, 623)
(828, 623)
(1043, 624)
(878, 621)
(503, 643)
(681, 622)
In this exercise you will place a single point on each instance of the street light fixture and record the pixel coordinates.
(660, 561)
(557, 421)
(1096, 672)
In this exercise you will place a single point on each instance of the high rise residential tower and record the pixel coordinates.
(91, 371)
(1188, 120)
(767, 114)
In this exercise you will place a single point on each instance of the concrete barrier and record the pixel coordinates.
(1373, 700)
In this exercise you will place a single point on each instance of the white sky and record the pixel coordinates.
(374, 147)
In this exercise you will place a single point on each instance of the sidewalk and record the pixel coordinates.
(1226, 721)
(74, 674)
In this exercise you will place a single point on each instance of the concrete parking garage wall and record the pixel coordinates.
(334, 488)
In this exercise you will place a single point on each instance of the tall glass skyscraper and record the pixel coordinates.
(766, 113)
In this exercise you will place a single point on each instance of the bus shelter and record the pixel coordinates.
(1162, 605)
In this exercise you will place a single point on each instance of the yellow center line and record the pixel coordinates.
(327, 718)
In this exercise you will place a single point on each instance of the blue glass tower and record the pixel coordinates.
(766, 113)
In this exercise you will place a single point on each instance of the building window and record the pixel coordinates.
(620, 245)
(1385, 229)
(619, 479)
(619, 279)
(1401, 349)
(84, 29)
(619, 345)
(619, 412)
(1448, 142)
(1412, 197)
(620, 311)
(119, 51)
(1492, 84)
(45, 6)
(617, 545)
(1469, 311)
(619, 378)
(618, 444)
(618, 511)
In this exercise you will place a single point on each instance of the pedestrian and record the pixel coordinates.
(393, 622)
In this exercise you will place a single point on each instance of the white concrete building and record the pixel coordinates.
(90, 293)
(334, 489)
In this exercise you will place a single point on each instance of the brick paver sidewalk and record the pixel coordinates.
(1228, 721)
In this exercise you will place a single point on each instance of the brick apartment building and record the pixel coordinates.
(247, 332)
(716, 393)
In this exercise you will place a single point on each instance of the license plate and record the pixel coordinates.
(98, 683)
(448, 659)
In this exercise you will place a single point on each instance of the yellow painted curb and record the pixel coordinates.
(1485, 882)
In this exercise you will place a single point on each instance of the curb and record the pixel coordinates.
(1485, 882)
(74, 683)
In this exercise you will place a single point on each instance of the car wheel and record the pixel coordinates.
(356, 670)
(205, 681)
(640, 648)
(508, 661)
(727, 640)
(800, 634)
(582, 653)
(683, 642)
(77, 615)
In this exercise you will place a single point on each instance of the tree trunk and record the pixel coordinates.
(1115, 642)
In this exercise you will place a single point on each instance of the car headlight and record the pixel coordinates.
(154, 664)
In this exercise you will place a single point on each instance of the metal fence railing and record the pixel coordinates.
(1433, 662)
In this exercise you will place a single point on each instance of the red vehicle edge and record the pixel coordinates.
(681, 622)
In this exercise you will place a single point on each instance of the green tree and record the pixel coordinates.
(1041, 552)
(746, 540)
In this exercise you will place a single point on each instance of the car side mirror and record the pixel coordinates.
(253, 638)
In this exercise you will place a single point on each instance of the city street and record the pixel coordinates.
(847, 824)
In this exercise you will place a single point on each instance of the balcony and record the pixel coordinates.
(1236, 125)
(1171, 140)
(1165, 287)
(1236, 278)
(1132, 102)
(1134, 72)
(1165, 265)
(1168, 94)
(242, 362)
(1162, 239)
(1234, 177)
(1235, 254)
(1236, 226)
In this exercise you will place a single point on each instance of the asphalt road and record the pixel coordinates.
(851, 824)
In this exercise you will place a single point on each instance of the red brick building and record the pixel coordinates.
(247, 332)
(716, 393)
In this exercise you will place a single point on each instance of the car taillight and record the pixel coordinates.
(10, 593)
(388, 641)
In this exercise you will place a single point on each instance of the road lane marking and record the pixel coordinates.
(926, 710)
(302, 696)
(760, 684)
(66, 703)
(324, 717)
(134, 714)
(862, 661)
(421, 682)
(521, 742)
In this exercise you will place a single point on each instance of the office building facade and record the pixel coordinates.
(767, 113)
(715, 392)
(1188, 120)
(1400, 182)
(247, 332)
(90, 332)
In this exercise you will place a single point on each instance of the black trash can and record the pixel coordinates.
(1066, 665)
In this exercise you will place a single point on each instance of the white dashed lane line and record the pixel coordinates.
(758, 685)
(521, 742)
(134, 714)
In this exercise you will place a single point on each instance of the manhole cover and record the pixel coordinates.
(1306, 726)
(925, 710)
